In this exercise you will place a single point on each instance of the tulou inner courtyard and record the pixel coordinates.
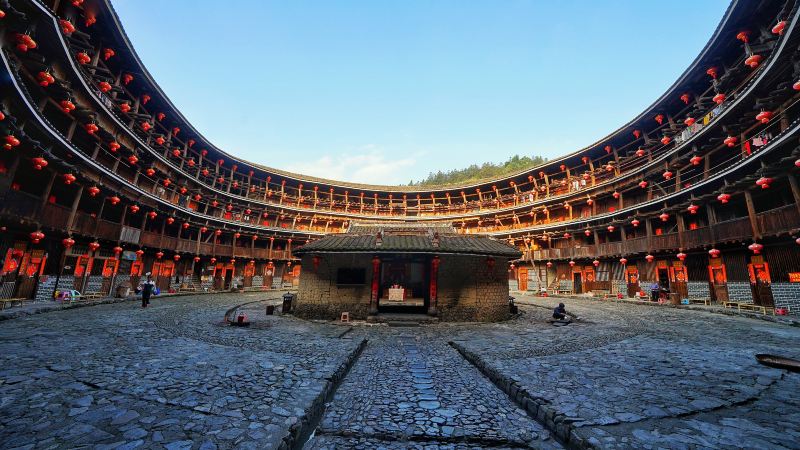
(175, 376)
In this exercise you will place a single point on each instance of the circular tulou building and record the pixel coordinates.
(102, 179)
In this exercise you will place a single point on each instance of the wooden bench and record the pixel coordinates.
(747, 307)
(705, 301)
(9, 302)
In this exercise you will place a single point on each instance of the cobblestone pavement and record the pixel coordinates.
(643, 377)
(410, 388)
(170, 376)
(118, 376)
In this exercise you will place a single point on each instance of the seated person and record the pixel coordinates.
(560, 312)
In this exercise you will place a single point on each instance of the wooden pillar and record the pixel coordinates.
(681, 230)
(376, 274)
(795, 191)
(648, 226)
(751, 212)
(74, 209)
(434, 284)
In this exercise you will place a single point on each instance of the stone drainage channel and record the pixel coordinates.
(409, 387)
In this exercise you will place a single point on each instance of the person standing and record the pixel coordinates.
(147, 287)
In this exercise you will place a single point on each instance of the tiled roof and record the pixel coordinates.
(418, 243)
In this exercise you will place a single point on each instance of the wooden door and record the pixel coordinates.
(677, 279)
(632, 277)
(522, 275)
(577, 286)
(760, 282)
(718, 281)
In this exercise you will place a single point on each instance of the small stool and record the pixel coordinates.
(345, 317)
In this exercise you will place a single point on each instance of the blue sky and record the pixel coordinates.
(387, 91)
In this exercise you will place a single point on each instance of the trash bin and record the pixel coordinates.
(287, 302)
(270, 310)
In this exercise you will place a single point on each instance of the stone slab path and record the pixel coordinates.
(410, 388)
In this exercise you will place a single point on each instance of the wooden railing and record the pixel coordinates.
(735, 229)
(785, 218)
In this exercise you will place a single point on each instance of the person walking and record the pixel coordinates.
(146, 288)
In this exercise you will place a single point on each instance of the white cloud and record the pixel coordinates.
(369, 164)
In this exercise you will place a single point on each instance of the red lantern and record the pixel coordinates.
(104, 86)
(114, 146)
(177, 257)
(152, 215)
(666, 140)
(133, 159)
(176, 152)
(714, 253)
(764, 116)
(753, 61)
(204, 172)
(145, 99)
(197, 259)
(637, 134)
(134, 209)
(175, 131)
(183, 190)
(36, 236)
(67, 106)
(139, 253)
(797, 163)
(615, 195)
(610, 228)
(712, 72)
(203, 230)
(108, 53)
(83, 58)
(719, 98)
(10, 142)
(167, 182)
(667, 174)
(797, 241)
(567, 235)
(649, 258)
(572, 263)
(237, 235)
(660, 118)
(160, 116)
(39, 163)
(693, 209)
(635, 222)
(248, 211)
(218, 232)
(66, 26)
(681, 256)
(796, 86)
(125, 107)
(779, 27)
(755, 248)
(146, 126)
(117, 250)
(69, 178)
(159, 255)
(229, 207)
(664, 217)
(730, 141)
(623, 261)
(214, 203)
(197, 197)
(127, 78)
(689, 121)
(185, 225)
(93, 246)
(190, 162)
(724, 198)
(114, 200)
(45, 79)
(764, 182)
(213, 260)
(643, 184)
(150, 172)
(549, 264)
(160, 140)
(233, 261)
(589, 201)
(170, 220)
(587, 232)
(685, 98)
(696, 160)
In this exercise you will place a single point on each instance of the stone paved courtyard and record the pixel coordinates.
(171, 376)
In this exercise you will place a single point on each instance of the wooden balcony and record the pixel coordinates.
(665, 242)
(736, 229)
(779, 220)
